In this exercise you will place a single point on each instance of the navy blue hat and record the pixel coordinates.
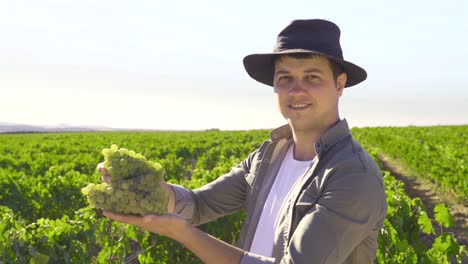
(314, 36)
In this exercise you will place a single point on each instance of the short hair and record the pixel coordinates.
(335, 67)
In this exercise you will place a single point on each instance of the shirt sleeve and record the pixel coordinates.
(347, 211)
(184, 201)
(223, 196)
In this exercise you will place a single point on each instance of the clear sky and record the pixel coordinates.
(178, 64)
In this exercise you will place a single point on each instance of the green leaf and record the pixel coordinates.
(445, 246)
(425, 223)
(442, 215)
(417, 202)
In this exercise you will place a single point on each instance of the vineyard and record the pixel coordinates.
(436, 153)
(46, 219)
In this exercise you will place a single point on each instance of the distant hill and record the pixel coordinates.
(6, 127)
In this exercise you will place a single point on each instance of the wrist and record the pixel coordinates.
(184, 233)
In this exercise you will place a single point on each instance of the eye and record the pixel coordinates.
(284, 78)
(311, 77)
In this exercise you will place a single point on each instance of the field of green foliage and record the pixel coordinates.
(44, 217)
(438, 153)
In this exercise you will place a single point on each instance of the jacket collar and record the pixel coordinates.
(324, 143)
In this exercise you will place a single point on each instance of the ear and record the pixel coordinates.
(341, 82)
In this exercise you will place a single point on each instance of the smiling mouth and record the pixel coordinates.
(298, 106)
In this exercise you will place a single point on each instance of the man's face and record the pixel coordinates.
(306, 92)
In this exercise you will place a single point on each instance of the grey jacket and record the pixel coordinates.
(333, 215)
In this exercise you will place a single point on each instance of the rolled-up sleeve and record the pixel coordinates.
(184, 201)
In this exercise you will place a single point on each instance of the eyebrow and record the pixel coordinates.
(311, 70)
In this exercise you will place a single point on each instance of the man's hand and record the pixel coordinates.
(170, 225)
(106, 177)
(209, 249)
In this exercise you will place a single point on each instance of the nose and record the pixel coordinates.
(295, 87)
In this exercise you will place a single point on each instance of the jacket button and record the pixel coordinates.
(266, 160)
(275, 135)
(257, 187)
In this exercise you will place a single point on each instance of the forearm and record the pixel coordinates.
(208, 248)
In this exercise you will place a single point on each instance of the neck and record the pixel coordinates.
(304, 141)
(304, 145)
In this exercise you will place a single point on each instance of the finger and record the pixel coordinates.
(123, 218)
(100, 167)
(106, 178)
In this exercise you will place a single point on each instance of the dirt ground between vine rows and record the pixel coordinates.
(431, 195)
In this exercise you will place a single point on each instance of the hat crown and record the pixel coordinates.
(315, 35)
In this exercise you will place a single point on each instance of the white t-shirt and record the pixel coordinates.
(289, 173)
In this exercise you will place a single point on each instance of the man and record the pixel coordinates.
(311, 193)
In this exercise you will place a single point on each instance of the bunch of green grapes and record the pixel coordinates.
(134, 187)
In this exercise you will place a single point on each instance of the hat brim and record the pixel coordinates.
(261, 67)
